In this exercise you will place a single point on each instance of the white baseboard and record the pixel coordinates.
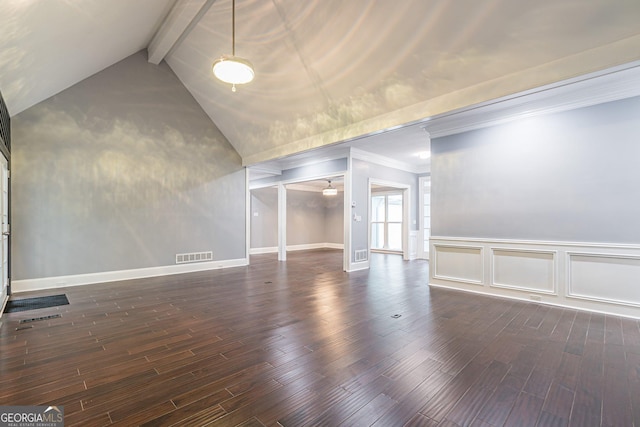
(598, 277)
(259, 251)
(357, 266)
(3, 304)
(18, 286)
(304, 247)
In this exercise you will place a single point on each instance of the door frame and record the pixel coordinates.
(5, 244)
(406, 206)
(421, 252)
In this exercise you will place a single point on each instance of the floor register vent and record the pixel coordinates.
(194, 257)
(360, 255)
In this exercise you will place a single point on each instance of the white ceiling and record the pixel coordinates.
(48, 46)
(326, 71)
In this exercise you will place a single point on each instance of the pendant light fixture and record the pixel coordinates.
(329, 191)
(231, 68)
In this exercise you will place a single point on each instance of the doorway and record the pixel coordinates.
(389, 210)
(299, 215)
(4, 246)
(386, 221)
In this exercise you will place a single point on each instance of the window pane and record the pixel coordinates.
(395, 236)
(377, 236)
(395, 208)
(377, 207)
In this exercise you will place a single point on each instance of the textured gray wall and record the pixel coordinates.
(121, 171)
(571, 176)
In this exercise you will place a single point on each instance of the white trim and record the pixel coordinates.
(2, 307)
(333, 246)
(282, 222)
(608, 85)
(386, 161)
(511, 297)
(265, 250)
(247, 213)
(357, 266)
(115, 276)
(346, 220)
(265, 170)
(610, 291)
(421, 252)
(318, 177)
(539, 242)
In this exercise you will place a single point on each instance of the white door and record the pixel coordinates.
(4, 215)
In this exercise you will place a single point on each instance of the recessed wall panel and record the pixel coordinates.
(458, 263)
(524, 270)
(604, 277)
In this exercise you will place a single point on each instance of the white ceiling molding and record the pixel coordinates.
(386, 161)
(317, 186)
(609, 85)
(177, 25)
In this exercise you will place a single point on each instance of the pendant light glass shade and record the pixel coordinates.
(233, 70)
(330, 190)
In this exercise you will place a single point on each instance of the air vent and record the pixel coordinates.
(360, 255)
(37, 319)
(194, 257)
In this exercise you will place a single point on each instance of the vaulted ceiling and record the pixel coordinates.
(326, 71)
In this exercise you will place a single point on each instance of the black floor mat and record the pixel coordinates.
(35, 303)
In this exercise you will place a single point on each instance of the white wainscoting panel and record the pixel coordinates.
(601, 277)
(458, 263)
(525, 270)
(604, 277)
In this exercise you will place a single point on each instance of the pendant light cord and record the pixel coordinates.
(233, 27)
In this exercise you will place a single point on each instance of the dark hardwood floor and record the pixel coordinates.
(302, 343)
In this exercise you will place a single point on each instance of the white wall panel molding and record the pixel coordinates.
(458, 263)
(605, 277)
(524, 270)
(18, 286)
(586, 276)
(538, 243)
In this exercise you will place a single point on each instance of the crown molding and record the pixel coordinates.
(367, 156)
(596, 88)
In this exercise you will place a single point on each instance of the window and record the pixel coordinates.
(386, 222)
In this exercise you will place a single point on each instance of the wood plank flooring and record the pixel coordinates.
(302, 343)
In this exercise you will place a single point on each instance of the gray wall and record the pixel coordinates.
(571, 176)
(334, 218)
(264, 217)
(121, 171)
(311, 218)
(305, 217)
(361, 173)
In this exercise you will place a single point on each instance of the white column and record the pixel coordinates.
(282, 222)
